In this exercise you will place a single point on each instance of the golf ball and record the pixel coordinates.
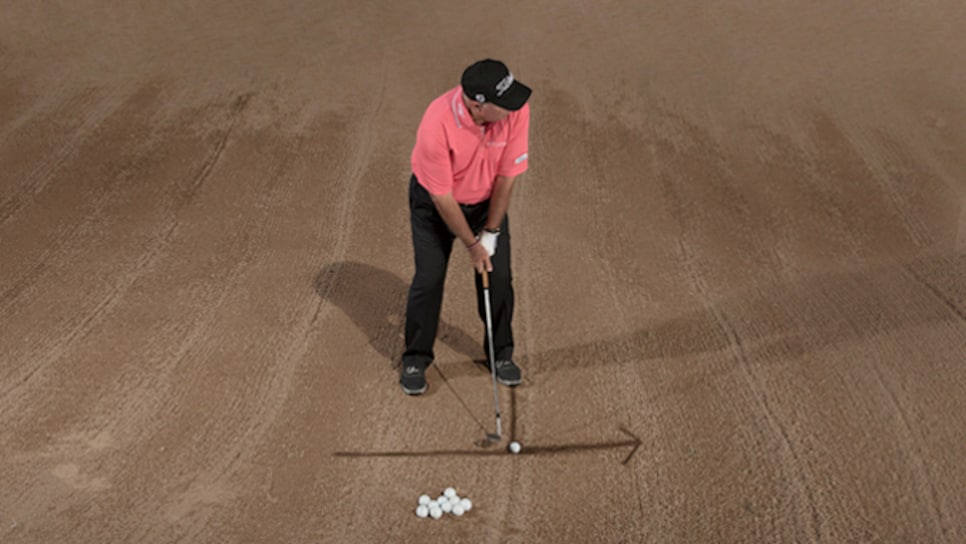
(458, 510)
(449, 492)
(436, 513)
(432, 504)
(515, 447)
(466, 504)
(424, 499)
(447, 507)
(422, 511)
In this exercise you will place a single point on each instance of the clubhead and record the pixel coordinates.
(490, 440)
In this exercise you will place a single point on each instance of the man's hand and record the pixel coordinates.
(488, 240)
(480, 258)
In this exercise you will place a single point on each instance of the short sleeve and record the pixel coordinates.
(431, 159)
(515, 157)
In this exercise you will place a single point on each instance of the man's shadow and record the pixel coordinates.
(785, 321)
(375, 300)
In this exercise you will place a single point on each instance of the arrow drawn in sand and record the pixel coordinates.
(632, 441)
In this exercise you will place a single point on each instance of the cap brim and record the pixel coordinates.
(515, 97)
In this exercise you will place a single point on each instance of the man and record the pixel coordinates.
(470, 145)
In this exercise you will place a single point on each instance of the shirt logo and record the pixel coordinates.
(504, 84)
(520, 159)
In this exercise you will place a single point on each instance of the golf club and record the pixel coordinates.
(489, 336)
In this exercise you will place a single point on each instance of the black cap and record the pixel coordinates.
(490, 80)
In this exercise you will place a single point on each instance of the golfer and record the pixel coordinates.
(470, 146)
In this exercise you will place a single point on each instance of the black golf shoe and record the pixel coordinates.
(507, 373)
(412, 378)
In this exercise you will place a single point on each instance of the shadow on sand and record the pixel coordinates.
(773, 322)
(375, 300)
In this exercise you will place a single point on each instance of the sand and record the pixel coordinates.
(739, 261)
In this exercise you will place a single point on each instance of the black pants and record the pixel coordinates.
(432, 245)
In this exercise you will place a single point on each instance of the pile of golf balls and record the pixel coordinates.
(447, 503)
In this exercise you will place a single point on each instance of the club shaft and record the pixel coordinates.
(489, 336)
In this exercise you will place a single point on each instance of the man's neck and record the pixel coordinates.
(477, 119)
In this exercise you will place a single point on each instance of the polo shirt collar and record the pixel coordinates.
(461, 117)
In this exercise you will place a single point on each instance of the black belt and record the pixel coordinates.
(471, 207)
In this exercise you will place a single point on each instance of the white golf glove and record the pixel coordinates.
(488, 241)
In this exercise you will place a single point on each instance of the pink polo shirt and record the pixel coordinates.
(453, 154)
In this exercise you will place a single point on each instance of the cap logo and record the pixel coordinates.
(480, 98)
(504, 84)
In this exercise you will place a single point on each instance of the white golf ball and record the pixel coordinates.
(424, 499)
(441, 499)
(447, 507)
(449, 492)
(458, 510)
(436, 513)
(466, 504)
(515, 447)
(432, 504)
(422, 511)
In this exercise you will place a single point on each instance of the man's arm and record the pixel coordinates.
(451, 213)
(499, 201)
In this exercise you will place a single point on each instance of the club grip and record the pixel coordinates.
(486, 279)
